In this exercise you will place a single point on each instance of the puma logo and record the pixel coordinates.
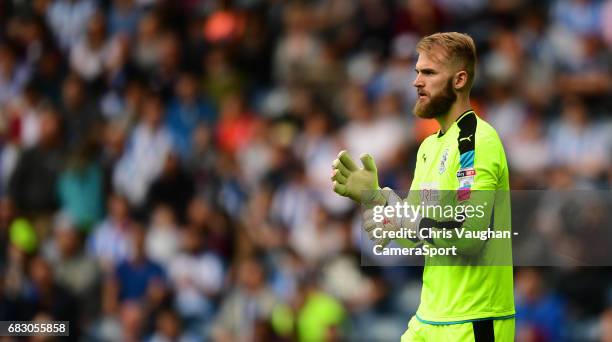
(468, 138)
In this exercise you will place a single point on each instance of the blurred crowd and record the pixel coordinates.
(165, 165)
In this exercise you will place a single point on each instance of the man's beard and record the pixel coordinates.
(438, 105)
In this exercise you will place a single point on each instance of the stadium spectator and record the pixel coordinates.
(42, 294)
(197, 276)
(79, 113)
(34, 180)
(68, 20)
(138, 277)
(87, 57)
(249, 302)
(74, 270)
(169, 328)
(109, 242)
(147, 150)
(187, 111)
(13, 75)
(540, 315)
(124, 17)
(163, 236)
(174, 187)
(80, 188)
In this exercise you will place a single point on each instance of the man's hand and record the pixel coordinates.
(369, 225)
(353, 182)
(389, 225)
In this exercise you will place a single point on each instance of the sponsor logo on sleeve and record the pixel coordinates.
(466, 179)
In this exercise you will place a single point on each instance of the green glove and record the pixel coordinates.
(353, 182)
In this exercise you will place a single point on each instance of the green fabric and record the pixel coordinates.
(282, 320)
(23, 235)
(320, 313)
(418, 331)
(456, 293)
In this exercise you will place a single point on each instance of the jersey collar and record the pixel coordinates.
(464, 114)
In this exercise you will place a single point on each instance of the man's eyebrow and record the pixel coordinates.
(424, 70)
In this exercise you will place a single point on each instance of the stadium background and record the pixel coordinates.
(165, 165)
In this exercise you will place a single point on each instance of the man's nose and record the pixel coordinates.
(418, 82)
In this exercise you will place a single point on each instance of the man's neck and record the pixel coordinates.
(459, 107)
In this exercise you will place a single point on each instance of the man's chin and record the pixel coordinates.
(421, 112)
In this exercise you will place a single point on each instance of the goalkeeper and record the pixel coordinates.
(460, 301)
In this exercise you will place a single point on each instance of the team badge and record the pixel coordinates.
(442, 166)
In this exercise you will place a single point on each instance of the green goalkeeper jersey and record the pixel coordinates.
(469, 161)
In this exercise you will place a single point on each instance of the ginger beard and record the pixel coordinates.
(438, 104)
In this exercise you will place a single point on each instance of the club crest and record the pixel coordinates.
(442, 166)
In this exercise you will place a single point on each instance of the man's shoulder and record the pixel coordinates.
(428, 140)
(485, 131)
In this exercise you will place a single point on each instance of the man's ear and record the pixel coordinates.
(460, 80)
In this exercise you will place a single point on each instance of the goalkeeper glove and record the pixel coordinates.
(389, 224)
(355, 183)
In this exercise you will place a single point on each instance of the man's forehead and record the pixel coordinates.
(434, 58)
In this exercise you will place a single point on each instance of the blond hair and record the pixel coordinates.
(458, 48)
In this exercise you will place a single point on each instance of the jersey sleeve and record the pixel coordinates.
(480, 156)
(413, 197)
(418, 168)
